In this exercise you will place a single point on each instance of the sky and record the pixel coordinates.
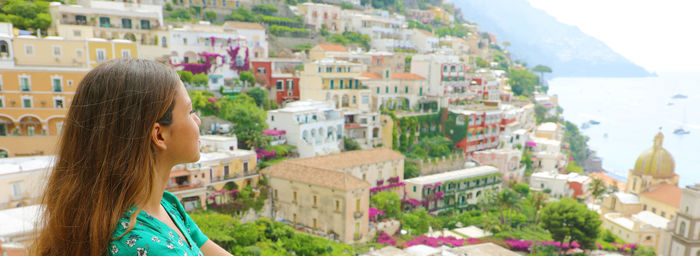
(659, 35)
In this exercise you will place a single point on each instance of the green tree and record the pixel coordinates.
(570, 221)
(597, 188)
(407, 63)
(410, 170)
(185, 76)
(419, 221)
(210, 16)
(522, 82)
(242, 14)
(180, 14)
(542, 69)
(217, 227)
(169, 7)
(247, 77)
(248, 118)
(258, 94)
(264, 9)
(644, 251)
(507, 200)
(527, 160)
(26, 14)
(350, 144)
(201, 102)
(200, 79)
(522, 188)
(388, 202)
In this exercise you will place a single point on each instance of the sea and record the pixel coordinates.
(631, 111)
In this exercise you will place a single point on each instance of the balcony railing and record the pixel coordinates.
(177, 187)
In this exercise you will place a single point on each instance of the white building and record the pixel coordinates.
(322, 15)
(7, 59)
(459, 189)
(314, 127)
(644, 228)
(22, 180)
(685, 229)
(387, 31)
(424, 41)
(560, 185)
(446, 76)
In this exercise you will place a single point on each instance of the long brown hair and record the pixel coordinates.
(106, 160)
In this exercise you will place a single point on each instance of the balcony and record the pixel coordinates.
(357, 215)
(178, 187)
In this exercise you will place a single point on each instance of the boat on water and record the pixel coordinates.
(680, 96)
(594, 122)
(680, 131)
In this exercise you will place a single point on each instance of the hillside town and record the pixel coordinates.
(341, 127)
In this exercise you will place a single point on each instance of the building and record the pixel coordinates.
(216, 4)
(424, 16)
(644, 228)
(22, 180)
(425, 42)
(443, 15)
(108, 20)
(337, 81)
(280, 76)
(506, 160)
(324, 16)
(380, 167)
(329, 195)
(320, 201)
(685, 228)
(314, 127)
(483, 129)
(220, 162)
(323, 51)
(387, 31)
(572, 185)
(446, 76)
(363, 127)
(459, 189)
(255, 35)
(35, 93)
(395, 90)
(19, 227)
(381, 61)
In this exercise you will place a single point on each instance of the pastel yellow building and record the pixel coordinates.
(335, 80)
(37, 89)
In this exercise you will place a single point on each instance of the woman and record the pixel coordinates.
(129, 123)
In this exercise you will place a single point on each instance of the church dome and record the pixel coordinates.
(656, 161)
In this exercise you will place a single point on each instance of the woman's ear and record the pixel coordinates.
(158, 136)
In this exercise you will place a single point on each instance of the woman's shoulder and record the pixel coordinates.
(142, 239)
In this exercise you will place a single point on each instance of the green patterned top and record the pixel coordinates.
(150, 236)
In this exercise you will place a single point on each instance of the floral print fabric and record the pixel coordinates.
(150, 236)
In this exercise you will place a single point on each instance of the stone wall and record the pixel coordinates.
(251, 215)
(440, 165)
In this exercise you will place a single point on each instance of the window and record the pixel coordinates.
(145, 24)
(279, 85)
(227, 170)
(365, 99)
(56, 50)
(396, 89)
(357, 83)
(101, 55)
(126, 53)
(164, 42)
(329, 69)
(104, 22)
(126, 23)
(315, 223)
(341, 83)
(58, 103)
(2, 104)
(276, 195)
(29, 50)
(364, 176)
(76, 32)
(17, 190)
(354, 99)
(26, 101)
(56, 82)
(295, 196)
(261, 70)
(79, 53)
(414, 188)
(0, 82)
(406, 91)
(315, 200)
(331, 84)
(377, 90)
(357, 205)
(420, 91)
(290, 84)
(387, 74)
(387, 89)
(272, 118)
(339, 69)
(337, 205)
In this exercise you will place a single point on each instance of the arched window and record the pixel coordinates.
(681, 229)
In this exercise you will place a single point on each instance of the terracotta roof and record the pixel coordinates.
(609, 181)
(350, 158)
(665, 193)
(243, 25)
(289, 170)
(370, 75)
(426, 33)
(406, 76)
(333, 47)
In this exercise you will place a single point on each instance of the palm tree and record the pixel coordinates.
(539, 199)
(597, 188)
(507, 199)
(542, 69)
